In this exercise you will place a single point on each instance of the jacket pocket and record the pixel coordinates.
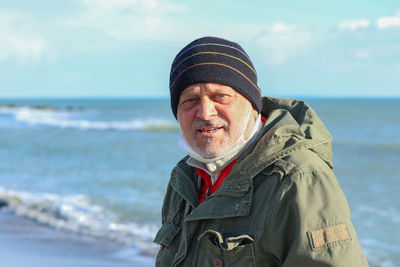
(166, 238)
(225, 251)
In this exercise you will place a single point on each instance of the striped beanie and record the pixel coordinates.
(216, 60)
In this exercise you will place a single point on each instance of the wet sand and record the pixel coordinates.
(24, 243)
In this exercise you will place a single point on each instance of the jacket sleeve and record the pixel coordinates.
(310, 225)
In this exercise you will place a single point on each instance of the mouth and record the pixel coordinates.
(209, 130)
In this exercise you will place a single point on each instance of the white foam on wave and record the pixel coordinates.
(75, 213)
(61, 119)
(389, 214)
(380, 250)
(377, 256)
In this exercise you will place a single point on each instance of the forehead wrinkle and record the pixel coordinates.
(214, 88)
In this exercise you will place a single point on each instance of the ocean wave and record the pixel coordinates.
(379, 254)
(389, 214)
(75, 213)
(61, 119)
(390, 144)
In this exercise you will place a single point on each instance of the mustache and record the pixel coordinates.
(210, 123)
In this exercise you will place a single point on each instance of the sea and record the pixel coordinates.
(100, 167)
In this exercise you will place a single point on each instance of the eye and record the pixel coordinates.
(189, 102)
(222, 98)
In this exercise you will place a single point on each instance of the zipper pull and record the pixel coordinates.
(207, 193)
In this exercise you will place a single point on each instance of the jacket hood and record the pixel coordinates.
(291, 126)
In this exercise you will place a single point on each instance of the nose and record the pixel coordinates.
(206, 109)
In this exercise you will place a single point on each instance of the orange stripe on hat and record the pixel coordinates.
(213, 63)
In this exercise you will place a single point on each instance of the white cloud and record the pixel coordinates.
(280, 27)
(115, 3)
(362, 53)
(282, 42)
(354, 24)
(138, 20)
(387, 22)
(18, 38)
(128, 19)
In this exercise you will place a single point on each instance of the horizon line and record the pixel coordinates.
(168, 97)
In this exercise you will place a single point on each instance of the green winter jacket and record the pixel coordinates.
(281, 204)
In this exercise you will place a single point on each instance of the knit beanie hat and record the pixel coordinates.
(214, 60)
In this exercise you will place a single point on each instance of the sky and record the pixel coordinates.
(124, 48)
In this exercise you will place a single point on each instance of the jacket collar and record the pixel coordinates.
(183, 182)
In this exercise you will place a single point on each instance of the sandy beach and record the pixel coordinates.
(24, 242)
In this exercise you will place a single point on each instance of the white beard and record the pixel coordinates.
(214, 164)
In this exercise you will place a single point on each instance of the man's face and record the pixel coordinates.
(213, 117)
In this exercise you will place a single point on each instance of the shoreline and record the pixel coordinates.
(24, 242)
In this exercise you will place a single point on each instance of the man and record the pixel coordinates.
(256, 188)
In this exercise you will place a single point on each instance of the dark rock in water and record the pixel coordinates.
(3, 203)
(11, 105)
(44, 107)
(73, 108)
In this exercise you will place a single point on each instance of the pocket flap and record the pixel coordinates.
(232, 242)
(229, 243)
(166, 234)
